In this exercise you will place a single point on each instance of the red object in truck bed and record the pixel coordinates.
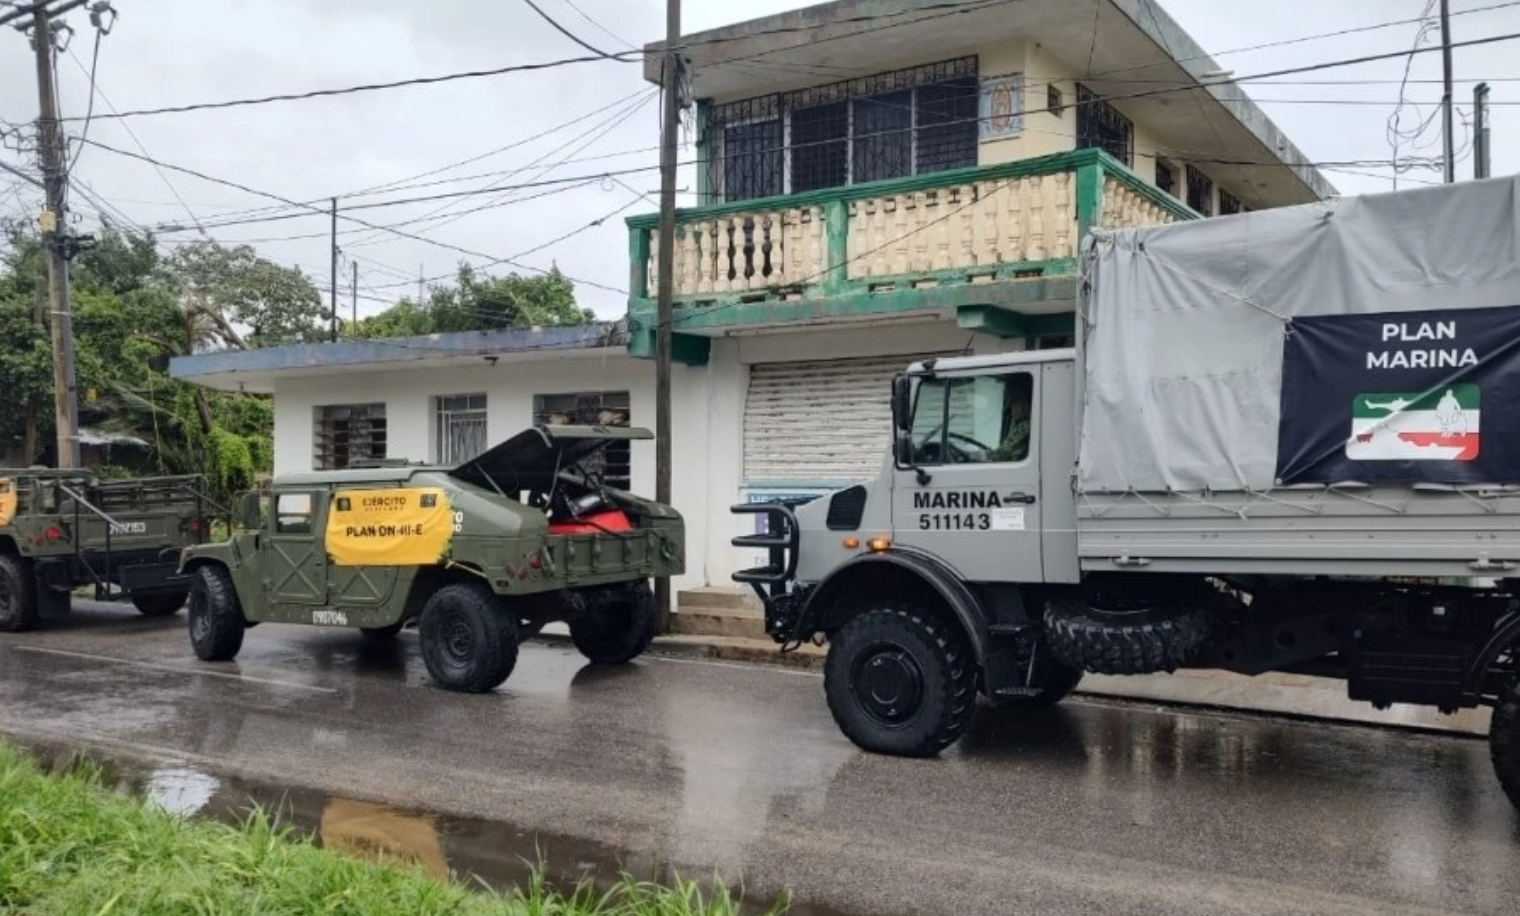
(595, 523)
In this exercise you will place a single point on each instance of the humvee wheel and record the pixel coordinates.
(162, 604)
(616, 627)
(18, 595)
(900, 682)
(380, 634)
(469, 641)
(1504, 741)
(216, 615)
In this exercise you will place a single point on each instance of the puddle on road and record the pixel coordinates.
(465, 849)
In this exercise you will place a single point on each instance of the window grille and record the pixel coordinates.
(460, 427)
(1200, 192)
(1166, 177)
(603, 408)
(1228, 203)
(345, 434)
(1101, 126)
(890, 125)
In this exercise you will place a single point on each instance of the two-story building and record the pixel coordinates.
(879, 180)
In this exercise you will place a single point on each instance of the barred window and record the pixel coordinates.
(890, 125)
(596, 408)
(1200, 192)
(345, 434)
(1166, 177)
(460, 427)
(1228, 203)
(1101, 126)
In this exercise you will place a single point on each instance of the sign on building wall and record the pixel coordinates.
(1001, 110)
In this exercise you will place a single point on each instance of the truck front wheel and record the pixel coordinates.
(616, 627)
(18, 595)
(469, 641)
(216, 615)
(1504, 741)
(900, 682)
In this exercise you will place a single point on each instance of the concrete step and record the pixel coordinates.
(721, 598)
(717, 621)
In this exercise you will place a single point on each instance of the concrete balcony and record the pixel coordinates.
(994, 246)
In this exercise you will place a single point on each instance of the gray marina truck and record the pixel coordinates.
(1283, 441)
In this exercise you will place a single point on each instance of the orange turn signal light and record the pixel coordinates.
(852, 543)
(879, 545)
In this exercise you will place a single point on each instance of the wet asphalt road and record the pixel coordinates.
(1087, 809)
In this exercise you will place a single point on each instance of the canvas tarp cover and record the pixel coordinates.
(1186, 329)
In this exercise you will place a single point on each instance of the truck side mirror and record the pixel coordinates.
(250, 514)
(902, 405)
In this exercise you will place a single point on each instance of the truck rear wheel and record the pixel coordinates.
(18, 595)
(1504, 741)
(1142, 638)
(160, 604)
(469, 641)
(616, 627)
(900, 682)
(216, 615)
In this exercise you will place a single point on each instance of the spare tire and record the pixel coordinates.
(1084, 632)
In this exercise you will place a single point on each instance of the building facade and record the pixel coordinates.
(879, 181)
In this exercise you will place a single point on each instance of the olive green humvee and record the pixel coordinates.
(479, 556)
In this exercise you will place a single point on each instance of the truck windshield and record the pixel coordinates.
(981, 419)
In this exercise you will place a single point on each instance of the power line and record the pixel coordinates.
(566, 32)
(603, 29)
(353, 219)
(351, 90)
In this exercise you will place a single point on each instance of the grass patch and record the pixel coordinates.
(71, 847)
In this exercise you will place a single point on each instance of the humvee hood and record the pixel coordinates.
(531, 459)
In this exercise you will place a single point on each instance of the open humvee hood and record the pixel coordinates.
(531, 459)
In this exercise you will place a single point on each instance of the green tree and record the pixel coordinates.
(221, 288)
(477, 303)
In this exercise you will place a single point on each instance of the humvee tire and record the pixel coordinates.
(18, 595)
(899, 681)
(618, 628)
(469, 640)
(160, 604)
(1504, 740)
(216, 615)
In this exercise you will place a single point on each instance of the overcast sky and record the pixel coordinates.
(171, 52)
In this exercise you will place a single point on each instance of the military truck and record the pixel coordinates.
(1283, 441)
(60, 530)
(478, 556)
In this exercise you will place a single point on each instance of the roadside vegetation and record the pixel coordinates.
(71, 847)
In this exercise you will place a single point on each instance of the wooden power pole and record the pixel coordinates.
(670, 83)
(55, 237)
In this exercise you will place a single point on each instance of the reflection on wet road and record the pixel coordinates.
(1089, 808)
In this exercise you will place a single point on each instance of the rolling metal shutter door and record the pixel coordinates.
(824, 421)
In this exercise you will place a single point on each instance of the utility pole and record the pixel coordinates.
(56, 240)
(1481, 151)
(332, 288)
(353, 291)
(1446, 117)
(670, 82)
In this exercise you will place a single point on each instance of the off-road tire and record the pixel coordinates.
(160, 604)
(900, 681)
(18, 595)
(469, 641)
(616, 632)
(215, 615)
(1090, 642)
(1504, 741)
(381, 634)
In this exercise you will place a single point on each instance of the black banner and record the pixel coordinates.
(1402, 396)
